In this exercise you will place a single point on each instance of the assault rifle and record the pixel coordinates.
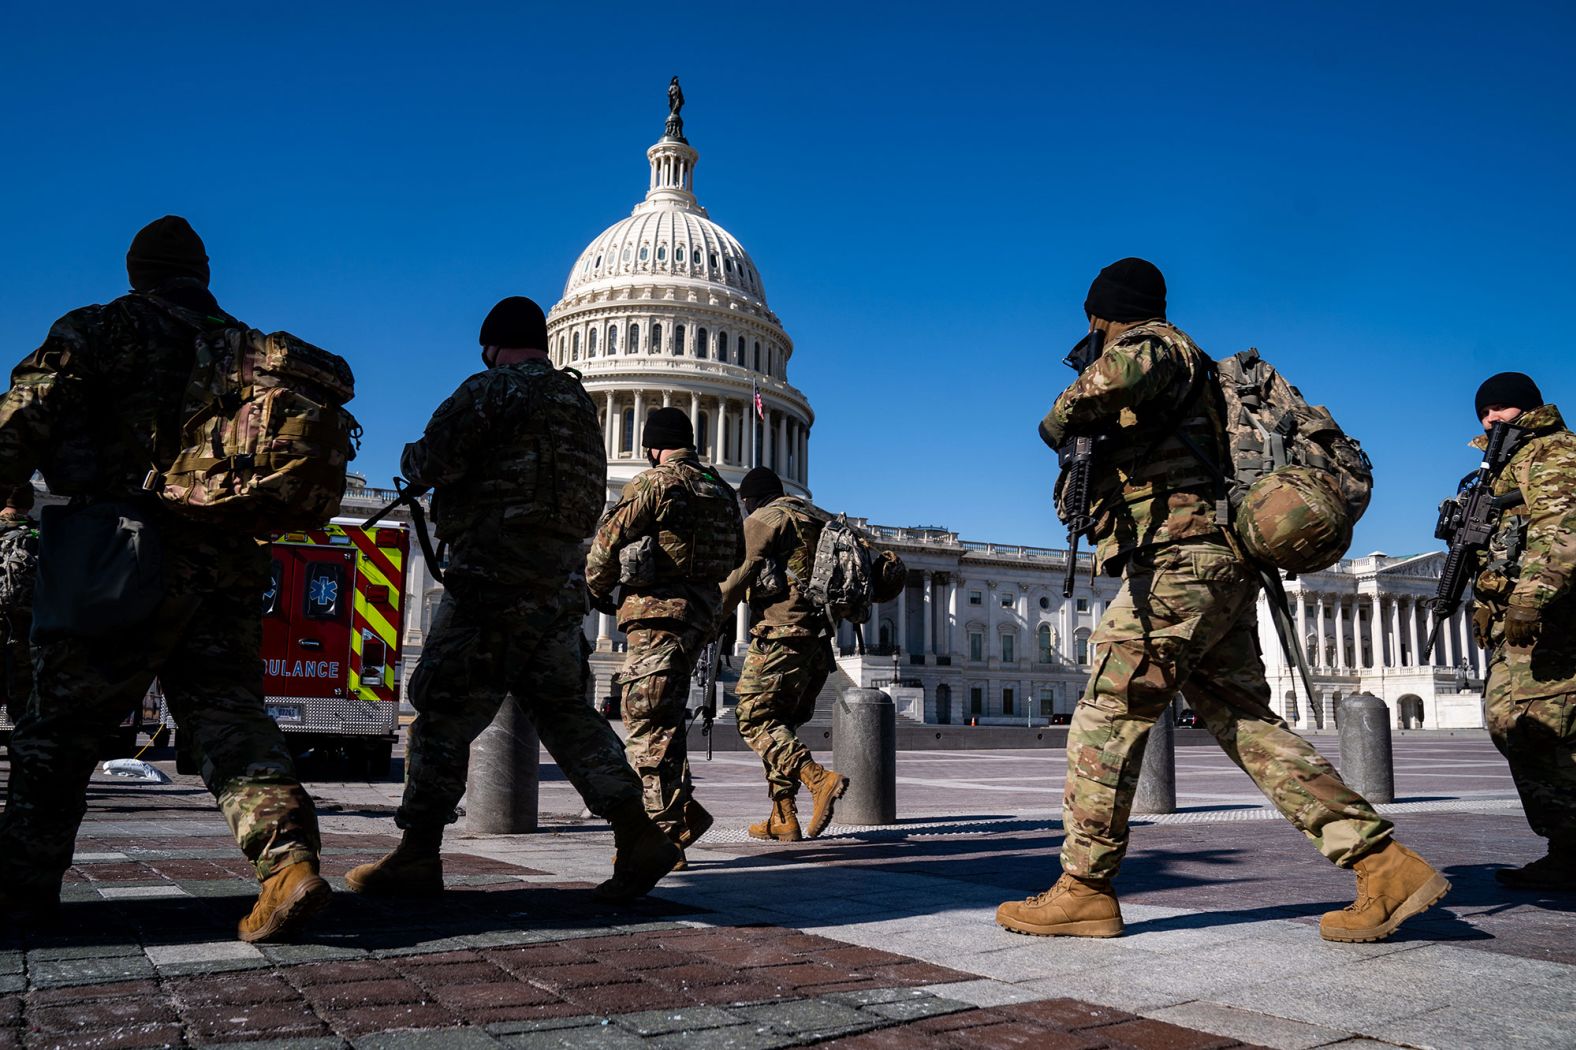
(1077, 461)
(1467, 522)
(410, 496)
(705, 676)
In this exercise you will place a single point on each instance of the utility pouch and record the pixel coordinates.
(637, 563)
(100, 571)
(770, 583)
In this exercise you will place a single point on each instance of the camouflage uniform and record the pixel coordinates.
(694, 517)
(1531, 693)
(17, 625)
(519, 475)
(92, 408)
(1185, 617)
(790, 652)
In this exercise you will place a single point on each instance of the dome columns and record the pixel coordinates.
(724, 434)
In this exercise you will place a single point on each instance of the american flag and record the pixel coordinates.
(760, 409)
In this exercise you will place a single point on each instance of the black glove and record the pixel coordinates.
(604, 603)
(1521, 626)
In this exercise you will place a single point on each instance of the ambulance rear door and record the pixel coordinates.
(306, 628)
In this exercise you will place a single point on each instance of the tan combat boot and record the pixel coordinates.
(826, 787)
(1556, 871)
(1074, 907)
(414, 869)
(1393, 884)
(289, 897)
(644, 853)
(781, 824)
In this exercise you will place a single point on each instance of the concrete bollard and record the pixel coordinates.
(1367, 765)
(500, 791)
(1157, 776)
(864, 749)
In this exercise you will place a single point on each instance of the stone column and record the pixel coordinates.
(639, 423)
(900, 629)
(749, 425)
(1375, 633)
(1319, 604)
(1302, 618)
(604, 632)
(667, 399)
(781, 452)
(926, 585)
(607, 427)
(719, 423)
(1396, 659)
(695, 413)
(952, 615)
(1340, 632)
(741, 623)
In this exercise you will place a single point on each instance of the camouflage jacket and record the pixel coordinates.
(99, 403)
(1147, 488)
(1532, 556)
(779, 552)
(637, 515)
(514, 458)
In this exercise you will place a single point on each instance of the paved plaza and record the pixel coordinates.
(868, 937)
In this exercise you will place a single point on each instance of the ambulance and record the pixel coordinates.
(333, 620)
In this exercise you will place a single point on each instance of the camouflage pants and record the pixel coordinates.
(1538, 739)
(655, 682)
(777, 691)
(18, 662)
(204, 643)
(1185, 620)
(476, 655)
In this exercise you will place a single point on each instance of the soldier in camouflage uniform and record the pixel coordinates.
(671, 539)
(1525, 618)
(790, 652)
(1183, 621)
(518, 471)
(93, 408)
(18, 541)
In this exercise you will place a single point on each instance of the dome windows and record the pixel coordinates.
(612, 339)
(662, 253)
(656, 339)
(695, 256)
(700, 343)
(574, 347)
(591, 343)
(712, 260)
(645, 252)
(634, 338)
(678, 340)
(598, 264)
(626, 253)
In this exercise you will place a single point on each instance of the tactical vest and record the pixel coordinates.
(807, 521)
(545, 468)
(1150, 458)
(698, 526)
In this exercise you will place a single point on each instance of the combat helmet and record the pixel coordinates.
(1295, 519)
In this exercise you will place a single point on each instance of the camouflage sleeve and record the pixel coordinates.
(760, 533)
(1550, 554)
(453, 436)
(48, 385)
(631, 518)
(1125, 374)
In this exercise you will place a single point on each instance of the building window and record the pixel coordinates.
(1082, 604)
(591, 343)
(739, 347)
(1006, 601)
(722, 346)
(757, 365)
(1045, 643)
(662, 253)
(1047, 700)
(634, 338)
(656, 339)
(612, 339)
(695, 256)
(1006, 701)
(976, 598)
(711, 258)
(678, 340)
(976, 646)
(626, 253)
(574, 347)
(1006, 648)
(626, 441)
(1081, 646)
(1045, 603)
(645, 252)
(700, 343)
(976, 700)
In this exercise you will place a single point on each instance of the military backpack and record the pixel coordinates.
(1296, 482)
(265, 438)
(18, 570)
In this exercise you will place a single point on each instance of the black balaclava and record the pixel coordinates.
(165, 249)
(667, 428)
(516, 323)
(1512, 389)
(759, 487)
(1127, 290)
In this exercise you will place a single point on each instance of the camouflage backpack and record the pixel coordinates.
(1297, 483)
(842, 578)
(18, 570)
(265, 437)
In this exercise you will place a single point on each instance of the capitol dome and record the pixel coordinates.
(666, 307)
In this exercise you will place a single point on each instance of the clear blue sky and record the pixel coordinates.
(1379, 199)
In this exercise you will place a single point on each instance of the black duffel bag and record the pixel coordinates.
(100, 570)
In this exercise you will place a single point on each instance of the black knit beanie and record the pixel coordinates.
(762, 483)
(667, 428)
(1127, 290)
(164, 249)
(516, 323)
(1512, 389)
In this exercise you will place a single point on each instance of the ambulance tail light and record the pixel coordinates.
(374, 657)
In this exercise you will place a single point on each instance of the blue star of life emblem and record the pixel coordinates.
(324, 591)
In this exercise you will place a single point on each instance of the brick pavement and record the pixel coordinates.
(878, 937)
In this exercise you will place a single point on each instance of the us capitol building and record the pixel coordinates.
(665, 307)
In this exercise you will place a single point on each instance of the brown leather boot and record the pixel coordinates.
(414, 869)
(826, 787)
(696, 823)
(1555, 872)
(644, 853)
(1393, 884)
(289, 897)
(1074, 907)
(781, 824)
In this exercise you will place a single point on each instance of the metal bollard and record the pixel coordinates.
(864, 749)
(1367, 765)
(1157, 776)
(501, 789)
